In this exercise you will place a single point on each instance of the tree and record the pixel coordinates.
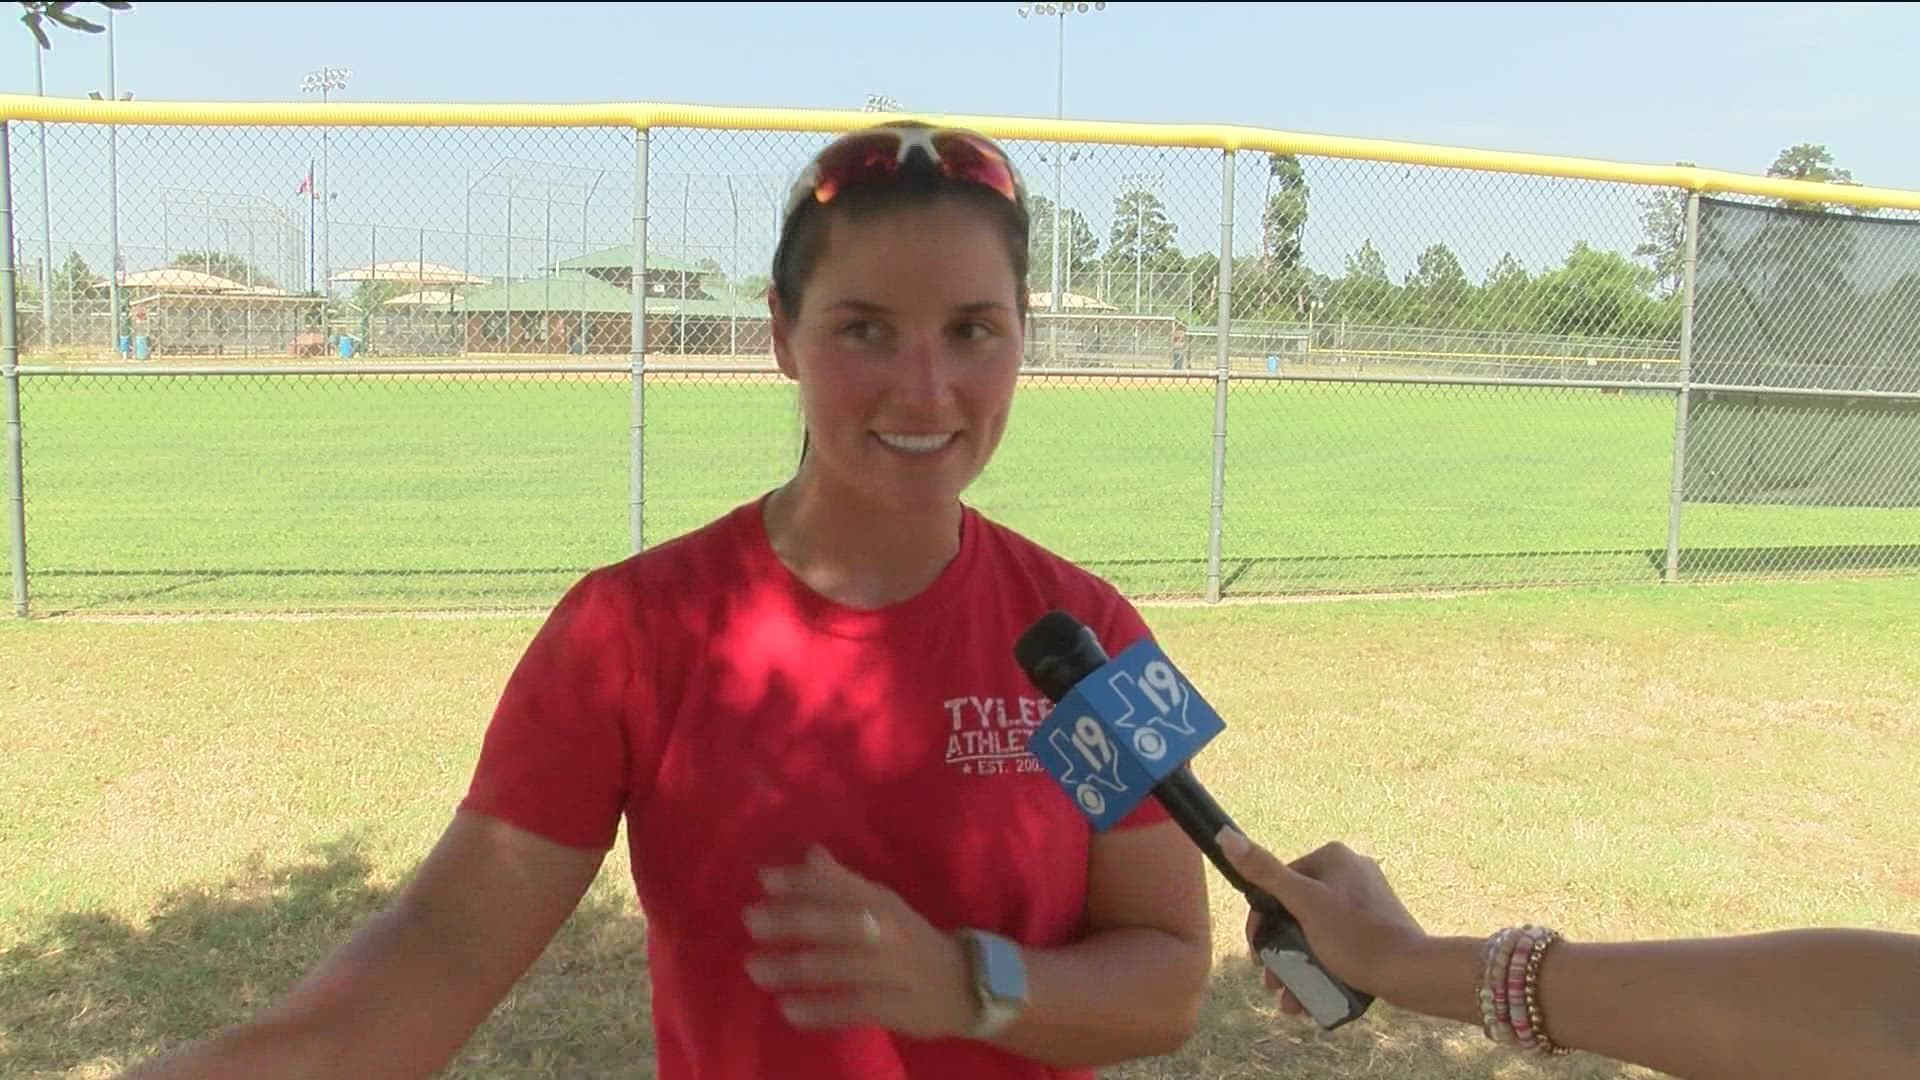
(1367, 264)
(1437, 289)
(223, 264)
(1364, 294)
(1141, 242)
(1140, 227)
(1811, 162)
(1203, 269)
(1663, 216)
(1264, 291)
(1079, 248)
(1601, 294)
(75, 278)
(1283, 224)
(1504, 300)
(36, 13)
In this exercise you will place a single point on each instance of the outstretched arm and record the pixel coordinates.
(1815, 1002)
(400, 997)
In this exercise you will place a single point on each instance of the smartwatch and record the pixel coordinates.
(999, 981)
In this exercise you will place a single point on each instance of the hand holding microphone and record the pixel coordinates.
(1124, 728)
(1357, 922)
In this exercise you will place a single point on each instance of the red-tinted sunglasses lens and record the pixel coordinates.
(971, 159)
(854, 161)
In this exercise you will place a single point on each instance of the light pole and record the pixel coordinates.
(113, 207)
(325, 80)
(46, 220)
(1139, 186)
(1058, 12)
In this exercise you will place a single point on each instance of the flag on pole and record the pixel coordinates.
(306, 186)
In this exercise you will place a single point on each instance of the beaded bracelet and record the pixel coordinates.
(1535, 1014)
(1510, 1010)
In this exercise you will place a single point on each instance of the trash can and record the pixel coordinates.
(1273, 364)
(346, 347)
(142, 347)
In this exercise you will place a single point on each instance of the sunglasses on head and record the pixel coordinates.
(877, 156)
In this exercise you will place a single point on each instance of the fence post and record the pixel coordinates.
(1222, 374)
(1678, 490)
(637, 357)
(10, 370)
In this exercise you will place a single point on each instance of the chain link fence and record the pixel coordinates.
(428, 364)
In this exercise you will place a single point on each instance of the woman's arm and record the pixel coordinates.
(1130, 987)
(1133, 986)
(402, 995)
(1797, 1003)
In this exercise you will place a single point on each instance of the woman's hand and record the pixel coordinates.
(847, 952)
(1354, 922)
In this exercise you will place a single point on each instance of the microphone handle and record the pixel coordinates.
(1279, 940)
(1191, 805)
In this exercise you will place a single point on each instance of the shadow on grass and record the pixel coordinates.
(91, 993)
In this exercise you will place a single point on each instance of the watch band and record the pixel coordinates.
(992, 1019)
(999, 982)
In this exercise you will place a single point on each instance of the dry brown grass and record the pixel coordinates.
(192, 813)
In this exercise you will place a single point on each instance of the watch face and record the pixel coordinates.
(1003, 974)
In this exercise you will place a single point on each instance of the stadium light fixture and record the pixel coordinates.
(1059, 13)
(325, 80)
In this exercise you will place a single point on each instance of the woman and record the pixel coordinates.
(1828, 1003)
(809, 715)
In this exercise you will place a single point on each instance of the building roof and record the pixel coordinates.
(743, 307)
(177, 279)
(411, 272)
(561, 292)
(620, 257)
(574, 292)
(446, 298)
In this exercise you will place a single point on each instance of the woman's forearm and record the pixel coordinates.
(1829, 1003)
(1113, 996)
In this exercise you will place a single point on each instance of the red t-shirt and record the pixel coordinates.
(734, 717)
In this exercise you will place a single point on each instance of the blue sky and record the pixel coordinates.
(1725, 87)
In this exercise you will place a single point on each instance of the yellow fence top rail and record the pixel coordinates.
(648, 115)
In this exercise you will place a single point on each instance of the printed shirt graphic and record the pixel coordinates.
(989, 734)
(734, 717)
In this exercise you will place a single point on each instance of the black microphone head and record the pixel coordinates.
(1056, 652)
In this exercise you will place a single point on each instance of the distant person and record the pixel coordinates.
(1807, 1004)
(809, 715)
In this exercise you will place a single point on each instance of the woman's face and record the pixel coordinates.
(906, 350)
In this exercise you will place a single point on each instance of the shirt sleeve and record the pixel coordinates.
(556, 757)
(1122, 628)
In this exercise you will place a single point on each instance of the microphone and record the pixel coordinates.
(1124, 728)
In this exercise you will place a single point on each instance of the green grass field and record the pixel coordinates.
(321, 492)
(191, 813)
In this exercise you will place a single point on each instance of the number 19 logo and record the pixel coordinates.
(1161, 688)
(1089, 743)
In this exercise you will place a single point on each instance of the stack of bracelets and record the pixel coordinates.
(1510, 1011)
